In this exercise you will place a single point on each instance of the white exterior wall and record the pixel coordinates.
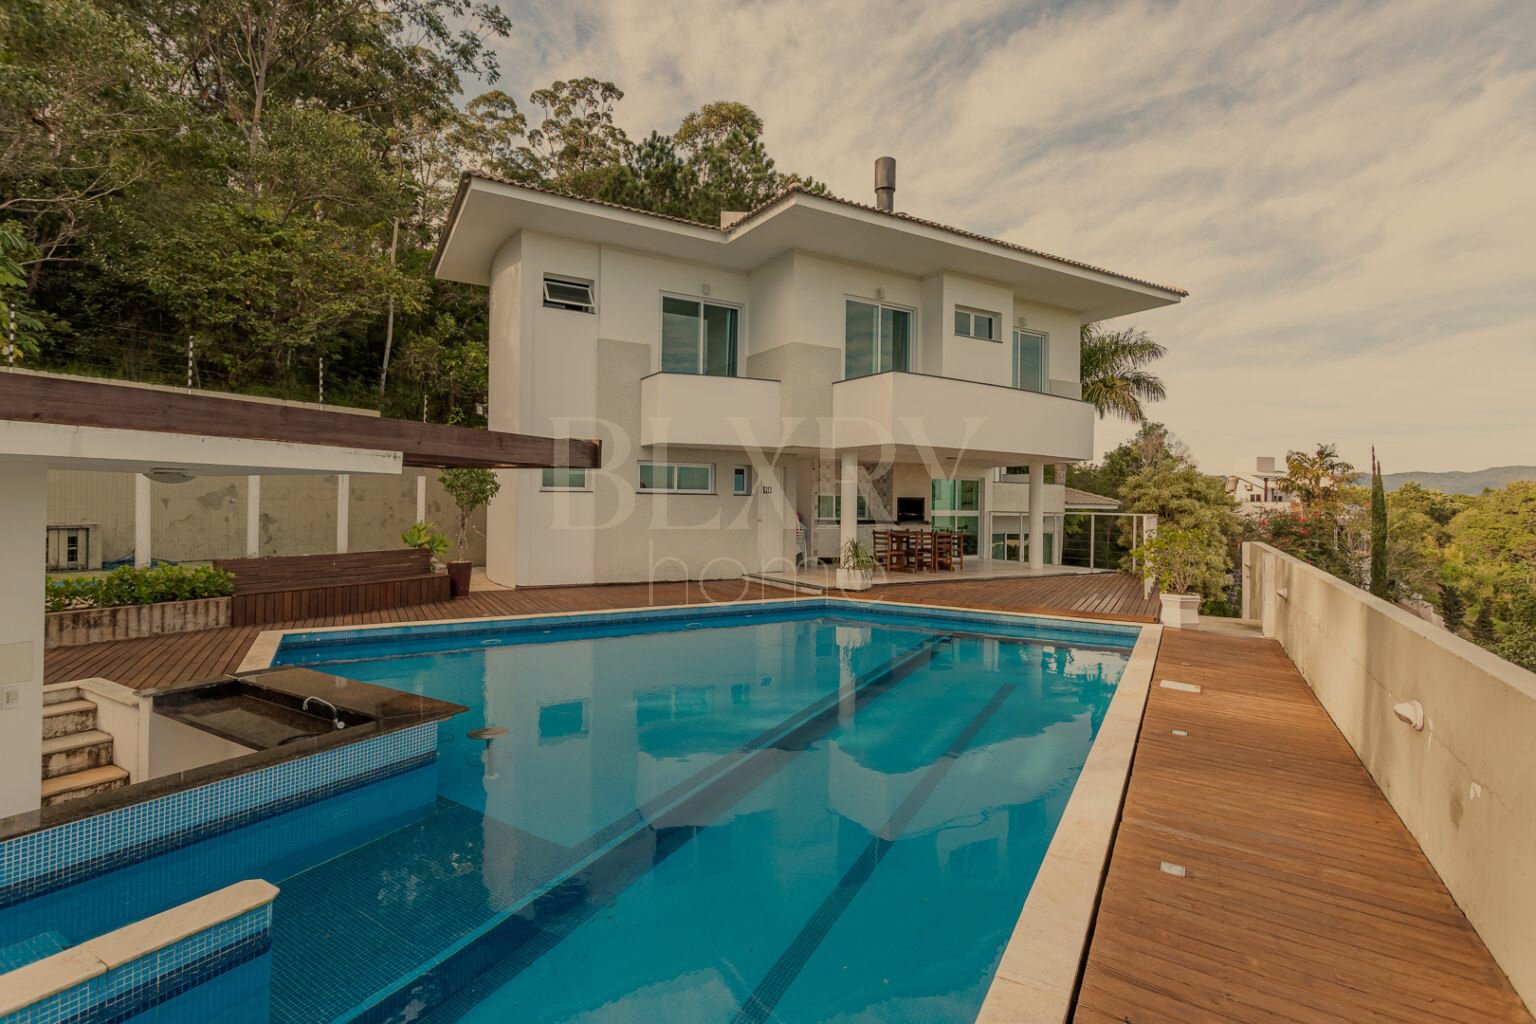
(568, 373)
(23, 510)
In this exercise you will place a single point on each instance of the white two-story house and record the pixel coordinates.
(1260, 489)
(770, 387)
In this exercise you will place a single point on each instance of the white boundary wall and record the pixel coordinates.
(1466, 785)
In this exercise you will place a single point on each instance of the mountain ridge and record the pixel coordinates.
(1459, 481)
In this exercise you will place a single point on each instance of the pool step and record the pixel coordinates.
(76, 752)
(75, 785)
(66, 717)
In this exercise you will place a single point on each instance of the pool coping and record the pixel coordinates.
(259, 656)
(1037, 977)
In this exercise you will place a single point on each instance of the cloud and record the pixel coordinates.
(1346, 189)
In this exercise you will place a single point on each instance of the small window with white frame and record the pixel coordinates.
(741, 480)
(677, 478)
(565, 479)
(571, 293)
(975, 323)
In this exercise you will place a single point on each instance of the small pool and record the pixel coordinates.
(797, 812)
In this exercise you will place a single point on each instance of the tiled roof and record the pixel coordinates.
(1080, 497)
(770, 204)
(791, 190)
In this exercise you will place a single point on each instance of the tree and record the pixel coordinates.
(471, 490)
(1452, 608)
(1114, 375)
(1482, 630)
(1151, 444)
(713, 123)
(1313, 476)
(1379, 582)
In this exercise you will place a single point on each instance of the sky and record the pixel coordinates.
(1347, 190)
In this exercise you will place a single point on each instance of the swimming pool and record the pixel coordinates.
(799, 812)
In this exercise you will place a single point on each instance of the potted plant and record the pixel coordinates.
(471, 490)
(426, 537)
(855, 567)
(1179, 562)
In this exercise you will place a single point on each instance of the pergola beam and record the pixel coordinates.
(36, 398)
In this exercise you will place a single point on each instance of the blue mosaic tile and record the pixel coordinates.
(40, 862)
(140, 985)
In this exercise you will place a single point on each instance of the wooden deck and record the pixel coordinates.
(180, 657)
(1305, 899)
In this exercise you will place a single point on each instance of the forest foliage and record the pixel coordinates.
(262, 182)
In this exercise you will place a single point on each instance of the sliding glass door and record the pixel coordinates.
(876, 339)
(698, 337)
(1010, 537)
(957, 506)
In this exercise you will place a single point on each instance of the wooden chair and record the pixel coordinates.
(944, 550)
(922, 550)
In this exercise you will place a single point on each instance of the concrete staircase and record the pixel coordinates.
(77, 756)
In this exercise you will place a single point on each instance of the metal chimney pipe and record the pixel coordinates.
(885, 184)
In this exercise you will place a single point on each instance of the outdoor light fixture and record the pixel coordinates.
(163, 475)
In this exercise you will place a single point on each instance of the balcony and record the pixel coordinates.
(699, 411)
(983, 421)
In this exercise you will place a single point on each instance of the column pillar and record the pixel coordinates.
(142, 521)
(24, 511)
(343, 506)
(421, 498)
(253, 517)
(848, 521)
(1037, 515)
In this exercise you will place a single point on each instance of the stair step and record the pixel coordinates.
(76, 752)
(59, 696)
(83, 783)
(68, 717)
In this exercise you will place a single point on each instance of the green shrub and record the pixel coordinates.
(1185, 561)
(426, 536)
(127, 585)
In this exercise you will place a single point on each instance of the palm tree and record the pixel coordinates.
(1114, 376)
(1311, 476)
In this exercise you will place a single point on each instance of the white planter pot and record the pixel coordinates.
(1181, 610)
(853, 579)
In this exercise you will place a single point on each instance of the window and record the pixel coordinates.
(1029, 360)
(697, 337)
(830, 506)
(565, 479)
(741, 480)
(567, 719)
(975, 323)
(569, 293)
(956, 495)
(677, 478)
(876, 339)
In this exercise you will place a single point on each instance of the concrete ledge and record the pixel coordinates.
(35, 982)
(124, 622)
(1037, 975)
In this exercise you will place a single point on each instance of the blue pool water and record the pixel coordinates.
(782, 814)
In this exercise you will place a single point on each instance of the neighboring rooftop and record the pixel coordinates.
(1087, 499)
(487, 211)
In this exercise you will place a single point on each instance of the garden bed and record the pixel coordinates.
(93, 625)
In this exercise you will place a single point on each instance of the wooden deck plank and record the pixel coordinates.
(179, 657)
(1306, 900)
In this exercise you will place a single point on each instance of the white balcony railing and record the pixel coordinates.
(949, 416)
(701, 411)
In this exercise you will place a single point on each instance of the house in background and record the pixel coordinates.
(1258, 490)
(783, 382)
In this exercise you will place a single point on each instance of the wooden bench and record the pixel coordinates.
(282, 588)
